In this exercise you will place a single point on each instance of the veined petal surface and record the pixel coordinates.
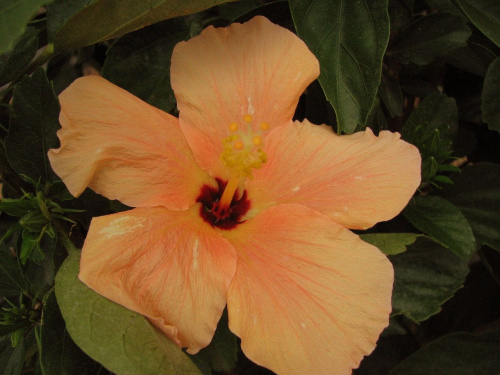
(167, 265)
(308, 296)
(357, 180)
(255, 68)
(123, 148)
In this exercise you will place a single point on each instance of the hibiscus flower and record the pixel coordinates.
(237, 205)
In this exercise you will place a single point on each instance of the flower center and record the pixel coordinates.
(243, 147)
(242, 153)
(225, 218)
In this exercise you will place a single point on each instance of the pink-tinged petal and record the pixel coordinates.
(167, 265)
(308, 297)
(255, 68)
(123, 148)
(357, 180)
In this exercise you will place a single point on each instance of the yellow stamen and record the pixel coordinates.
(233, 127)
(227, 196)
(244, 147)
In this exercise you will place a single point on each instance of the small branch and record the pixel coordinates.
(41, 59)
(65, 239)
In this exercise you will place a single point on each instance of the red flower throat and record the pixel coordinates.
(225, 218)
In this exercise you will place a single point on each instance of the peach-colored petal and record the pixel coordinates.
(167, 265)
(255, 68)
(357, 180)
(123, 148)
(308, 296)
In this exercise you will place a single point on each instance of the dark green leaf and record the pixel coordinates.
(464, 58)
(12, 281)
(444, 6)
(349, 39)
(436, 111)
(33, 127)
(11, 328)
(79, 23)
(28, 245)
(485, 14)
(430, 37)
(140, 62)
(429, 168)
(391, 94)
(476, 57)
(442, 179)
(458, 353)
(390, 243)
(430, 128)
(425, 276)
(221, 354)
(58, 353)
(448, 168)
(231, 11)
(470, 111)
(377, 119)
(400, 13)
(490, 98)
(395, 328)
(13, 64)
(42, 273)
(476, 193)
(59, 191)
(17, 207)
(33, 221)
(12, 359)
(14, 15)
(417, 86)
(123, 341)
(277, 11)
(443, 222)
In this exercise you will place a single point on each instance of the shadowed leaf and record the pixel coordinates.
(390, 243)
(430, 37)
(443, 222)
(349, 39)
(458, 353)
(430, 127)
(425, 277)
(12, 359)
(490, 98)
(140, 62)
(476, 193)
(14, 16)
(122, 340)
(33, 126)
(58, 353)
(485, 14)
(80, 23)
(12, 64)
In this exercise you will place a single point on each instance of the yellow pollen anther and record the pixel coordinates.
(238, 145)
(233, 127)
(244, 148)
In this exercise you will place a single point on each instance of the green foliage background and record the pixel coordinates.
(427, 69)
